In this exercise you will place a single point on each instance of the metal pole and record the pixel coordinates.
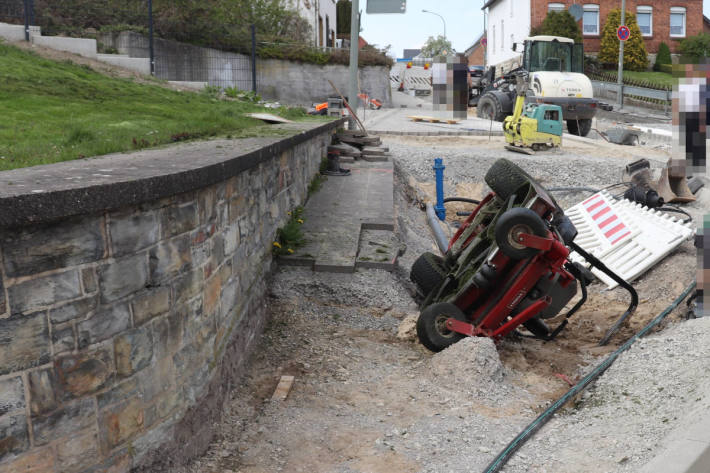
(620, 74)
(442, 19)
(253, 58)
(27, 20)
(354, 47)
(150, 37)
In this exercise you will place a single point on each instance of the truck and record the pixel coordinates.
(555, 67)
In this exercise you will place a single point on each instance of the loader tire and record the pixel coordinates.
(505, 178)
(428, 272)
(583, 129)
(489, 107)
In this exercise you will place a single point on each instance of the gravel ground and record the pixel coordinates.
(369, 398)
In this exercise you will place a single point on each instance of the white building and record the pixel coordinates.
(321, 15)
(507, 22)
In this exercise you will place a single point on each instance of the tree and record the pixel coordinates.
(663, 56)
(436, 47)
(344, 14)
(635, 57)
(695, 47)
(560, 23)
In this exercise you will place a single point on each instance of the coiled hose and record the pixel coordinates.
(542, 419)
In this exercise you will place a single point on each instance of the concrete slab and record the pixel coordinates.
(138, 64)
(80, 46)
(336, 216)
(686, 450)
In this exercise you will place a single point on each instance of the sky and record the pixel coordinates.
(464, 24)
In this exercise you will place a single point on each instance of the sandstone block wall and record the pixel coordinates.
(120, 331)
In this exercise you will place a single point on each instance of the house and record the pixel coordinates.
(321, 15)
(667, 21)
(476, 53)
(410, 53)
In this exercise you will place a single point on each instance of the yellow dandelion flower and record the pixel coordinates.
(277, 244)
(290, 250)
(300, 220)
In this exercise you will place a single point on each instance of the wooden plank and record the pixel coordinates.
(283, 388)
(373, 151)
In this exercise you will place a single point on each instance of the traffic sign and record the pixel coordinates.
(386, 6)
(623, 33)
(484, 42)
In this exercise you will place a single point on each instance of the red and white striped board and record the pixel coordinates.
(627, 237)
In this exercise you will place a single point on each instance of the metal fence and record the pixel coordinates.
(124, 36)
(610, 90)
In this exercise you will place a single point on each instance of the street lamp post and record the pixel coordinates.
(442, 19)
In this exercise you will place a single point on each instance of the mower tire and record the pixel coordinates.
(511, 224)
(431, 326)
(490, 108)
(428, 272)
(505, 178)
(580, 127)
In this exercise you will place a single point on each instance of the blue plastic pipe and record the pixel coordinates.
(439, 173)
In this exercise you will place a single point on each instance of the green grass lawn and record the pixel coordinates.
(660, 78)
(58, 111)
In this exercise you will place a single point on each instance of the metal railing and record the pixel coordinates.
(659, 96)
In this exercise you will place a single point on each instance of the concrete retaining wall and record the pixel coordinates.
(80, 46)
(285, 81)
(129, 304)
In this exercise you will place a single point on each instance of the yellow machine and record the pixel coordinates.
(534, 126)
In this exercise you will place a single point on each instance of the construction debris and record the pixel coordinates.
(283, 388)
(421, 118)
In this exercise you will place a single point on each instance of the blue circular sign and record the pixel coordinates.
(623, 33)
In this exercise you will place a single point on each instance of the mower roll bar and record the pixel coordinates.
(594, 261)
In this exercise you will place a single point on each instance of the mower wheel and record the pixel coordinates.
(505, 178)
(428, 272)
(511, 224)
(431, 326)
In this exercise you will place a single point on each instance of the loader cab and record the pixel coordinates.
(553, 54)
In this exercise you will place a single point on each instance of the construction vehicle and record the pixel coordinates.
(556, 70)
(532, 126)
(506, 266)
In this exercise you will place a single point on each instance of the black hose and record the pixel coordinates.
(535, 425)
(594, 261)
(462, 199)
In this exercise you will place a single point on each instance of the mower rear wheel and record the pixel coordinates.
(431, 326)
(537, 327)
(505, 178)
(428, 272)
(511, 225)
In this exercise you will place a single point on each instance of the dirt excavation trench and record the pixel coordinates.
(368, 397)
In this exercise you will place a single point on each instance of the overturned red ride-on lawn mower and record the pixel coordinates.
(505, 266)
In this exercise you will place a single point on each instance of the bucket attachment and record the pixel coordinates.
(673, 185)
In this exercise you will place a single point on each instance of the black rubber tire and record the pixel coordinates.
(585, 126)
(430, 326)
(505, 178)
(428, 272)
(489, 106)
(510, 224)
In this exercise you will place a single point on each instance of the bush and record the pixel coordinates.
(663, 57)
(695, 48)
(635, 56)
(560, 23)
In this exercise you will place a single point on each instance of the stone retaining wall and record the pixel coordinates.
(121, 330)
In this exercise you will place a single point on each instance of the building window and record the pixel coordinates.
(644, 18)
(590, 20)
(677, 22)
(502, 35)
(493, 38)
(555, 7)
